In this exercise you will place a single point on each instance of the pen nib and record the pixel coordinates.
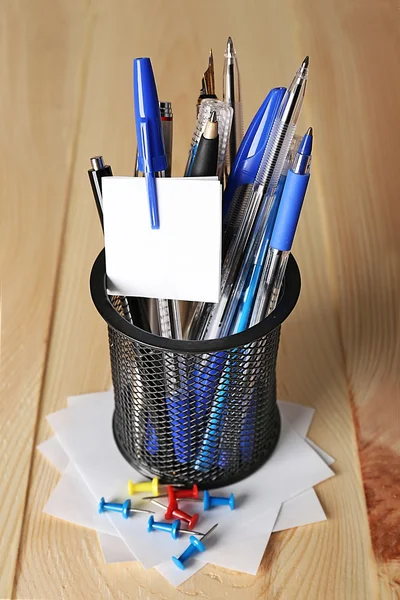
(304, 64)
(213, 117)
(209, 81)
(309, 131)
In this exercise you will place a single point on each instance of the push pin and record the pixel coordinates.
(195, 546)
(172, 510)
(173, 528)
(210, 501)
(145, 486)
(192, 494)
(124, 508)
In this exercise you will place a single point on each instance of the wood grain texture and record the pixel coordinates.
(39, 65)
(340, 347)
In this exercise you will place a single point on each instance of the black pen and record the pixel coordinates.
(205, 160)
(134, 308)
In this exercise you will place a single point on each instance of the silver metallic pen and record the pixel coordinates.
(231, 95)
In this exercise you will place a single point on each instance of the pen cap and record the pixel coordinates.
(224, 114)
(249, 155)
(151, 152)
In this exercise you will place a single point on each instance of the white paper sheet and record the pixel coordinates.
(54, 453)
(85, 433)
(71, 500)
(141, 261)
(299, 416)
(303, 509)
(324, 455)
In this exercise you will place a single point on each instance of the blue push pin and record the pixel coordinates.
(195, 546)
(125, 508)
(210, 501)
(173, 528)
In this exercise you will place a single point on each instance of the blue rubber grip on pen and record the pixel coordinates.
(289, 211)
(208, 453)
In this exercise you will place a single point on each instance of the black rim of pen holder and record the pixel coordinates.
(188, 411)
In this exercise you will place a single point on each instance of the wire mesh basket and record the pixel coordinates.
(194, 411)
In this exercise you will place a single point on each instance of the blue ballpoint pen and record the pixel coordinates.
(284, 231)
(152, 161)
(151, 153)
(252, 273)
(275, 264)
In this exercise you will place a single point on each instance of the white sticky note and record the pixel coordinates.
(182, 259)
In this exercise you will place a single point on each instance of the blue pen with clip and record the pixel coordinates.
(152, 161)
(275, 263)
(284, 231)
(151, 153)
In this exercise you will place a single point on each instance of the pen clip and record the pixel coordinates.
(149, 176)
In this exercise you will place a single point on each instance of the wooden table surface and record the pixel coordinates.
(65, 95)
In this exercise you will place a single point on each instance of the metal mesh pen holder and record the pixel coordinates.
(194, 411)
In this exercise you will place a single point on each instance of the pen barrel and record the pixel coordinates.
(268, 289)
(205, 162)
(95, 177)
(167, 132)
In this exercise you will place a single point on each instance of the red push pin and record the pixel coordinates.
(192, 494)
(173, 512)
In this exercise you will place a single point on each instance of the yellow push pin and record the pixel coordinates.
(145, 486)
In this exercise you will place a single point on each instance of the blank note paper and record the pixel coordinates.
(182, 259)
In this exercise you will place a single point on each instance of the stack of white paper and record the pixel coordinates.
(278, 496)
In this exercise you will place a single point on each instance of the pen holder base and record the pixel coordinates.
(200, 412)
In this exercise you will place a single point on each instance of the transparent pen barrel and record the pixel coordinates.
(270, 285)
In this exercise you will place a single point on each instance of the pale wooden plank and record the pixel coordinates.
(328, 560)
(40, 50)
(360, 193)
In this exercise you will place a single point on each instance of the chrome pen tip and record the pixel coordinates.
(210, 57)
(309, 131)
(304, 64)
(230, 51)
(213, 117)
